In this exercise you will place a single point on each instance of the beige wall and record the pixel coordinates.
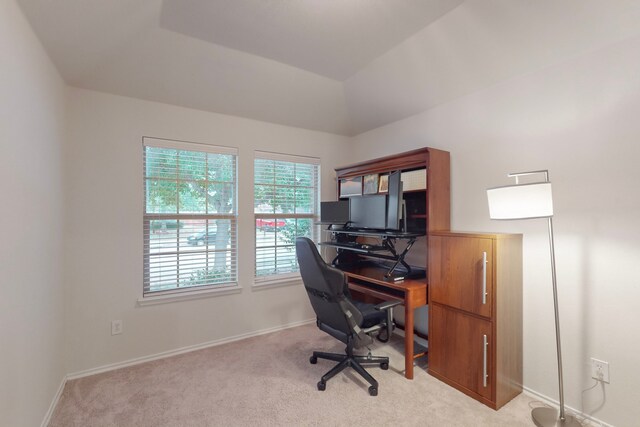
(31, 288)
(104, 229)
(579, 119)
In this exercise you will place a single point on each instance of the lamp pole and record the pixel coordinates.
(546, 417)
(557, 315)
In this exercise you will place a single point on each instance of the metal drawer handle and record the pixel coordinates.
(485, 344)
(484, 277)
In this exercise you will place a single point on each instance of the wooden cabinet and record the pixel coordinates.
(475, 314)
(459, 349)
(460, 276)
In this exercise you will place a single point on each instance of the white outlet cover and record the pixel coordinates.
(600, 370)
(116, 327)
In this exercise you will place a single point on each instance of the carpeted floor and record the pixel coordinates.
(268, 380)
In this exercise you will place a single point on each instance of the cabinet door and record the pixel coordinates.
(461, 273)
(460, 349)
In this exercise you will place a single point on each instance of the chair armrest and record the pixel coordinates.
(387, 305)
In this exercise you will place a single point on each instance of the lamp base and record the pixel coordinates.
(549, 417)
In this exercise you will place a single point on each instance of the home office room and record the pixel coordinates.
(319, 213)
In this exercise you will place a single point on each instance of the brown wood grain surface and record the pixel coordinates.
(456, 324)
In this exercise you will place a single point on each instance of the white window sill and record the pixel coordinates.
(188, 295)
(276, 282)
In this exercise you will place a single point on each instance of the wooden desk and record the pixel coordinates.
(370, 281)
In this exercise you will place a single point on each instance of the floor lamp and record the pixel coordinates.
(529, 201)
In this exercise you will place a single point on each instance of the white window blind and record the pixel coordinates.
(286, 201)
(190, 216)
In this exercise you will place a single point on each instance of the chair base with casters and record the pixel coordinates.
(352, 360)
(379, 318)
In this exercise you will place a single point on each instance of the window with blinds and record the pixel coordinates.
(190, 216)
(286, 200)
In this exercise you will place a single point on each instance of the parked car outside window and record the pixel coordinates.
(269, 224)
(201, 238)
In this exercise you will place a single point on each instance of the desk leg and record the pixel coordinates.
(408, 340)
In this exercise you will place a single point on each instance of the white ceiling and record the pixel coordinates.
(333, 38)
(339, 66)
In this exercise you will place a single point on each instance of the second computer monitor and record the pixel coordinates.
(368, 211)
(394, 205)
(334, 212)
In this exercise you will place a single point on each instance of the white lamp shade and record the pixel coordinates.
(520, 201)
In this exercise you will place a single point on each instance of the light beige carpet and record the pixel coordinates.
(268, 380)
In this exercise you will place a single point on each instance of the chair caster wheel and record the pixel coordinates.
(322, 386)
(373, 391)
(313, 360)
(384, 366)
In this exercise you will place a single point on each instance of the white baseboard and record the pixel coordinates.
(554, 403)
(54, 403)
(187, 349)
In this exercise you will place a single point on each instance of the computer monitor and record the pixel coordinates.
(368, 211)
(394, 206)
(334, 212)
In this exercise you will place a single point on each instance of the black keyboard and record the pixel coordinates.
(362, 246)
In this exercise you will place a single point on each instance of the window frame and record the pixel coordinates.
(195, 291)
(286, 277)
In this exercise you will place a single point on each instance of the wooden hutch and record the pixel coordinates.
(474, 283)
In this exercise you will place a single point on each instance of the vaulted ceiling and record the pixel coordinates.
(339, 66)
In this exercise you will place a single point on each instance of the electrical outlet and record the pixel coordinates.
(116, 327)
(600, 370)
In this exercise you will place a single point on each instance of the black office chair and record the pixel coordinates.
(348, 321)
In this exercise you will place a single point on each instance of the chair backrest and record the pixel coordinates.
(325, 286)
